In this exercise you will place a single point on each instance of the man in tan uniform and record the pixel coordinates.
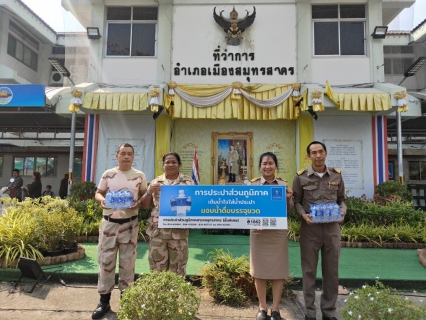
(118, 231)
(318, 185)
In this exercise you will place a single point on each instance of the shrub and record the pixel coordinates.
(159, 295)
(397, 212)
(18, 238)
(228, 279)
(392, 188)
(82, 191)
(378, 302)
(57, 223)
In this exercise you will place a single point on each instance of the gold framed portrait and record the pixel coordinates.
(232, 157)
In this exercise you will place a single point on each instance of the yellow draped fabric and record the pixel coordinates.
(116, 101)
(241, 108)
(162, 141)
(306, 136)
(359, 101)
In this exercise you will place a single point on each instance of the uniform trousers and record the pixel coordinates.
(122, 239)
(168, 254)
(324, 237)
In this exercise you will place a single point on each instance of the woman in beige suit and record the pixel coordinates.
(268, 248)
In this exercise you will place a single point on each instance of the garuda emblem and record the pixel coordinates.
(234, 27)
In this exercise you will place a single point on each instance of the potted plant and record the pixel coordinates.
(18, 237)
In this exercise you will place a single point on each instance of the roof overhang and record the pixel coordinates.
(30, 19)
(374, 91)
(391, 8)
(100, 99)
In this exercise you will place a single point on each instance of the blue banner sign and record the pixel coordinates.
(223, 207)
(22, 95)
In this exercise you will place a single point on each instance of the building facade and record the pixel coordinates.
(234, 74)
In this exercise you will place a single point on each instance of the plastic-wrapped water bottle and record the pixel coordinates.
(321, 211)
(327, 213)
(115, 200)
(313, 211)
(129, 199)
(121, 199)
(335, 213)
(108, 199)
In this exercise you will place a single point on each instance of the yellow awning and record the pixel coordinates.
(116, 101)
(348, 99)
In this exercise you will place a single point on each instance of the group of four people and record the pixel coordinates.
(168, 247)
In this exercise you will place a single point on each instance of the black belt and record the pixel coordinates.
(120, 221)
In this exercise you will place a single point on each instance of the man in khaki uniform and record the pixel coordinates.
(118, 231)
(318, 185)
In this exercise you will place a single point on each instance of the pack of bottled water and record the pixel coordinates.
(325, 212)
(119, 199)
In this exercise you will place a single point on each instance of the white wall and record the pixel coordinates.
(340, 70)
(141, 71)
(271, 37)
(353, 128)
(126, 128)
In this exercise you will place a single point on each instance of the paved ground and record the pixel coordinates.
(55, 301)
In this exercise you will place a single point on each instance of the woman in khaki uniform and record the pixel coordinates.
(168, 248)
(268, 248)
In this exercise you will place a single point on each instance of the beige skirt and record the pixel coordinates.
(269, 254)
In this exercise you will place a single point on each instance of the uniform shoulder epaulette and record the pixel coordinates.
(254, 179)
(336, 170)
(300, 172)
(185, 177)
(279, 178)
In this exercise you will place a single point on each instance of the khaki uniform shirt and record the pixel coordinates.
(166, 233)
(261, 181)
(310, 188)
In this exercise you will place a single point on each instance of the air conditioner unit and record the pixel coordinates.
(56, 78)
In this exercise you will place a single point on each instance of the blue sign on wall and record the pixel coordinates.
(22, 95)
(223, 207)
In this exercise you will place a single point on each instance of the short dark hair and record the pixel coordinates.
(15, 170)
(174, 154)
(268, 154)
(48, 186)
(315, 142)
(125, 145)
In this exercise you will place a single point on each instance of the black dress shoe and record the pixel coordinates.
(275, 315)
(309, 318)
(101, 310)
(328, 318)
(262, 315)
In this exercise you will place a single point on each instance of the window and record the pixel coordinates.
(77, 167)
(24, 36)
(21, 52)
(398, 59)
(339, 29)
(131, 31)
(58, 50)
(417, 170)
(28, 165)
